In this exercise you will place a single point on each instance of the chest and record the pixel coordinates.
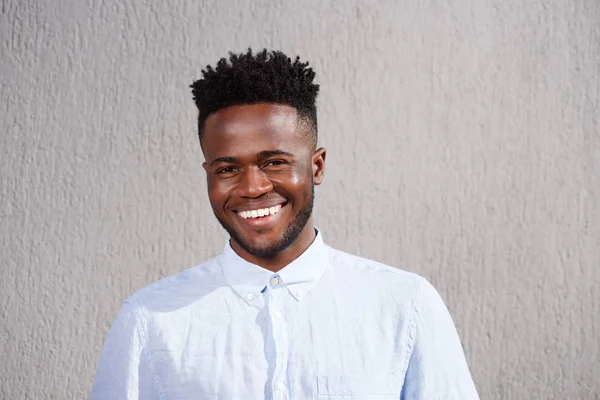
(282, 349)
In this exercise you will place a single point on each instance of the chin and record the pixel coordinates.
(265, 243)
(263, 251)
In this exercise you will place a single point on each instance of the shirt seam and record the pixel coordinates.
(150, 359)
(413, 325)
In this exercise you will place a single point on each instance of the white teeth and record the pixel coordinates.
(260, 212)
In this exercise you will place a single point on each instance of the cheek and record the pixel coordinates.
(299, 183)
(217, 192)
(301, 175)
(296, 179)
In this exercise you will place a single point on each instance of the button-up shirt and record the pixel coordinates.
(327, 326)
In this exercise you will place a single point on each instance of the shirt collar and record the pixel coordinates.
(299, 277)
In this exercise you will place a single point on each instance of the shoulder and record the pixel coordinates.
(384, 281)
(390, 285)
(370, 269)
(394, 290)
(184, 286)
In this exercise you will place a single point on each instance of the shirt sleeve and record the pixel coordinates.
(124, 370)
(437, 368)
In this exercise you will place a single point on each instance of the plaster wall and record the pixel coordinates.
(463, 144)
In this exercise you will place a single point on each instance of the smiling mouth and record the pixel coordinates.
(260, 212)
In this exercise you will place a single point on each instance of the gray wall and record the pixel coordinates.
(463, 144)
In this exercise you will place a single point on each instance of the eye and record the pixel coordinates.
(226, 170)
(274, 163)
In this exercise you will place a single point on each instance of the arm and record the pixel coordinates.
(437, 368)
(124, 368)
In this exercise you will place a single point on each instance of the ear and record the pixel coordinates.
(318, 165)
(205, 166)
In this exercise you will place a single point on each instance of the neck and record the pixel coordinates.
(278, 261)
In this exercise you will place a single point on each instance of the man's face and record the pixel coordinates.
(261, 170)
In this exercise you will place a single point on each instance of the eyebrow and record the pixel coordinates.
(271, 153)
(224, 160)
(262, 154)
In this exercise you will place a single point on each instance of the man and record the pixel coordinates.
(278, 315)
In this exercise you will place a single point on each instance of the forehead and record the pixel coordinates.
(247, 129)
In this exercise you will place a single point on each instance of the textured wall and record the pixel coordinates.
(463, 144)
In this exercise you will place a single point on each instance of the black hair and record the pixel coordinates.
(264, 77)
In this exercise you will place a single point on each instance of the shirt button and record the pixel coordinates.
(280, 386)
(275, 281)
(250, 296)
(278, 314)
(299, 293)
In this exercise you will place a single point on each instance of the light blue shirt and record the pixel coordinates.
(327, 326)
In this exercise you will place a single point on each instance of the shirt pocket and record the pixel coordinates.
(358, 387)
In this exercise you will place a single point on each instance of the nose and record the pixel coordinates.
(254, 183)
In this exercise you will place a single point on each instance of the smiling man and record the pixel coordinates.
(261, 166)
(279, 314)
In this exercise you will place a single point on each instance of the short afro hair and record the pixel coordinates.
(264, 77)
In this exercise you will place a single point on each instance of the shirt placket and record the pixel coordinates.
(280, 385)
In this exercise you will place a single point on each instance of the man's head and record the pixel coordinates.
(257, 126)
(265, 77)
